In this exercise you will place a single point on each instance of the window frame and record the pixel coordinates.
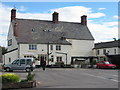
(10, 42)
(32, 46)
(58, 47)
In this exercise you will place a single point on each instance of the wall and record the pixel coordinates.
(11, 36)
(82, 47)
(42, 49)
(111, 51)
(13, 55)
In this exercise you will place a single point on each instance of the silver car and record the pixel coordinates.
(21, 64)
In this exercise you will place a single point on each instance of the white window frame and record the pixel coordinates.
(58, 47)
(32, 47)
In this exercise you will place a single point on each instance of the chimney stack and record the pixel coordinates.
(13, 14)
(55, 17)
(84, 20)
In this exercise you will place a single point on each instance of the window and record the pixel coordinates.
(10, 42)
(16, 62)
(32, 47)
(98, 52)
(51, 47)
(28, 56)
(9, 59)
(29, 61)
(104, 51)
(59, 59)
(22, 61)
(115, 51)
(58, 47)
(52, 58)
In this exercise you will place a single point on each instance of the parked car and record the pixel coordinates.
(21, 64)
(105, 64)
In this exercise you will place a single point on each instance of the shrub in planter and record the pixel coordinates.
(9, 78)
(30, 76)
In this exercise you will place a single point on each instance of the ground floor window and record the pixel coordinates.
(9, 59)
(59, 59)
(28, 56)
(52, 58)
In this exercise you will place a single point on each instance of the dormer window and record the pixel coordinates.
(33, 30)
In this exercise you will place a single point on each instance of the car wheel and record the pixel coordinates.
(7, 69)
(28, 69)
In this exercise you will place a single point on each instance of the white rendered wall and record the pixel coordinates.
(42, 49)
(82, 47)
(111, 51)
(13, 55)
(11, 36)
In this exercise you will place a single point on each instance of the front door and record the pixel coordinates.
(42, 57)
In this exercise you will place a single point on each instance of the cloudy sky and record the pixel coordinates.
(102, 16)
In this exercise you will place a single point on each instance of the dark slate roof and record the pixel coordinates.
(43, 31)
(107, 44)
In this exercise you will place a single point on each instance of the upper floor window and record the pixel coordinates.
(115, 51)
(58, 47)
(10, 42)
(59, 59)
(32, 47)
(98, 52)
(104, 51)
(51, 47)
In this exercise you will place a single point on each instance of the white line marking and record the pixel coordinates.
(110, 74)
(101, 77)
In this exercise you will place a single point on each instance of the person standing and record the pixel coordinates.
(43, 65)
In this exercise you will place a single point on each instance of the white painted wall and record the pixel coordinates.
(111, 51)
(11, 36)
(42, 49)
(13, 55)
(82, 47)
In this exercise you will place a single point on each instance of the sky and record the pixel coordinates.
(102, 16)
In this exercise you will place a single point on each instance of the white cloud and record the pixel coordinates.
(101, 32)
(101, 8)
(22, 8)
(116, 17)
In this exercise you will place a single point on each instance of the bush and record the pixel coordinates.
(9, 78)
(30, 76)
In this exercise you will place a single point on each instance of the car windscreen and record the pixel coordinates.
(107, 62)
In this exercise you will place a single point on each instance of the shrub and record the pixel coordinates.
(30, 76)
(9, 78)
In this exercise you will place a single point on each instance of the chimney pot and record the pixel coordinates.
(13, 14)
(55, 17)
(84, 20)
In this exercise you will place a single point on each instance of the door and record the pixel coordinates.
(22, 64)
(15, 65)
(42, 58)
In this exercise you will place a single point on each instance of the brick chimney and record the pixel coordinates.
(13, 14)
(55, 17)
(84, 20)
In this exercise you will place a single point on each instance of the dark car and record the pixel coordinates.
(105, 64)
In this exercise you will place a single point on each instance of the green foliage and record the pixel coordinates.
(59, 63)
(24, 80)
(9, 78)
(30, 76)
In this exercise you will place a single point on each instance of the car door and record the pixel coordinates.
(22, 64)
(15, 65)
(101, 65)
